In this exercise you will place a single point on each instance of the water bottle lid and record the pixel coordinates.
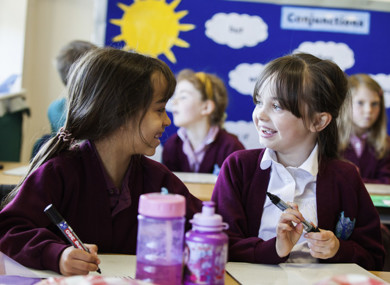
(207, 220)
(162, 205)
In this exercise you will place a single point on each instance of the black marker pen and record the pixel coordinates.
(283, 206)
(57, 219)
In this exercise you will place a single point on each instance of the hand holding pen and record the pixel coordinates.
(308, 227)
(73, 262)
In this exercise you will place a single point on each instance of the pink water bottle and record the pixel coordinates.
(160, 239)
(206, 248)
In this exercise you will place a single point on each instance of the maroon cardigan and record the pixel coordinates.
(75, 184)
(240, 192)
(176, 160)
(372, 170)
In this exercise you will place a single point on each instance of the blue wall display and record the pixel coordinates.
(235, 39)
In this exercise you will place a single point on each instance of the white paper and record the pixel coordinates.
(291, 273)
(112, 265)
(191, 177)
(18, 171)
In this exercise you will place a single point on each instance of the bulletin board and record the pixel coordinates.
(235, 39)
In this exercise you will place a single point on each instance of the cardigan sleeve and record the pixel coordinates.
(244, 246)
(25, 233)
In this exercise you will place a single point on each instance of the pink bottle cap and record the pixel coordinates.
(162, 205)
(208, 220)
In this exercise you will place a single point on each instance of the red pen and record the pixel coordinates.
(57, 219)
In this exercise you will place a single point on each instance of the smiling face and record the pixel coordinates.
(187, 104)
(365, 108)
(145, 138)
(279, 129)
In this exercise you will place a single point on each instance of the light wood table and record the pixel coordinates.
(10, 179)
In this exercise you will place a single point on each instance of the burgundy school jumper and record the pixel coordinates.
(75, 184)
(224, 144)
(372, 170)
(240, 192)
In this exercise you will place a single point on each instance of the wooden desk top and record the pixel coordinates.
(10, 179)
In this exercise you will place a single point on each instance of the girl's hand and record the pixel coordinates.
(323, 245)
(74, 261)
(287, 234)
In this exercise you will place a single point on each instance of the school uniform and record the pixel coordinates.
(240, 194)
(76, 184)
(372, 170)
(224, 144)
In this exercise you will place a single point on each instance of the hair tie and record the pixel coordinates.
(208, 86)
(64, 135)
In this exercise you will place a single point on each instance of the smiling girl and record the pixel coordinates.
(198, 107)
(298, 99)
(368, 146)
(94, 170)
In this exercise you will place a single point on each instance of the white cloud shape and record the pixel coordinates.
(245, 131)
(243, 78)
(384, 82)
(340, 53)
(236, 30)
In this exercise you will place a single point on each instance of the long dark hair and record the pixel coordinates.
(306, 85)
(107, 87)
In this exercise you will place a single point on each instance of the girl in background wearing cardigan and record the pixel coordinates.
(198, 107)
(368, 144)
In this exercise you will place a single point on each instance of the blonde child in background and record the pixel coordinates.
(368, 145)
(94, 169)
(198, 107)
(298, 99)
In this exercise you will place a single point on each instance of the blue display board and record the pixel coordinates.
(235, 39)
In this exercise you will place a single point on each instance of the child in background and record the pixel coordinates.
(298, 99)
(56, 112)
(368, 144)
(94, 170)
(198, 107)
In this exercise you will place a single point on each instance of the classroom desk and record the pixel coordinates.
(201, 190)
(10, 179)
(120, 265)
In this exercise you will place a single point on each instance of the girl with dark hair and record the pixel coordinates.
(298, 99)
(94, 170)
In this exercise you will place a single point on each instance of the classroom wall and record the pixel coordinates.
(50, 24)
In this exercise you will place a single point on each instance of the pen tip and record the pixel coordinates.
(99, 271)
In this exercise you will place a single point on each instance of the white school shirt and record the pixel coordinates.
(291, 184)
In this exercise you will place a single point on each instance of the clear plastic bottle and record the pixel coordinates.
(160, 238)
(206, 248)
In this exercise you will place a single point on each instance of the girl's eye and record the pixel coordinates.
(276, 107)
(258, 102)
(375, 104)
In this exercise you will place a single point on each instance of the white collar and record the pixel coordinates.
(310, 165)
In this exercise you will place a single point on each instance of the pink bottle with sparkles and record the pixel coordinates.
(206, 248)
(160, 238)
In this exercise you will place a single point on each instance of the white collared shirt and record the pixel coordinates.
(291, 184)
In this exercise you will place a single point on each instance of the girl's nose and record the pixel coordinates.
(260, 113)
(167, 121)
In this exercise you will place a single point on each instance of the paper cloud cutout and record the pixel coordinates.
(339, 53)
(243, 77)
(245, 131)
(236, 30)
(384, 81)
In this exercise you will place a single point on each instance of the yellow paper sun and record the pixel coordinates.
(152, 27)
